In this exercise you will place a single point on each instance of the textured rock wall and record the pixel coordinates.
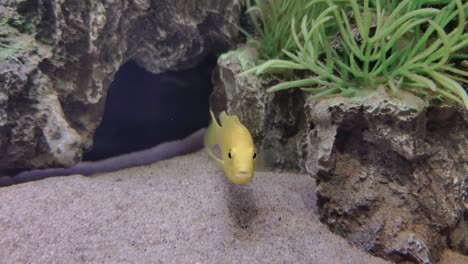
(392, 174)
(57, 59)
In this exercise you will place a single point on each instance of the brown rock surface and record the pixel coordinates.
(391, 176)
(451, 257)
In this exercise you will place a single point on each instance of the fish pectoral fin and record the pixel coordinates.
(220, 162)
(266, 160)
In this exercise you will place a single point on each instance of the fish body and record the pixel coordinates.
(237, 148)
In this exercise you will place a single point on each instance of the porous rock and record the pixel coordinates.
(57, 59)
(391, 173)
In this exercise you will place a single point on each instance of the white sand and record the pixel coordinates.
(181, 210)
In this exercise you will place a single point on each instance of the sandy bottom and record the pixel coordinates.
(180, 210)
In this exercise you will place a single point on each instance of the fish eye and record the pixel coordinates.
(229, 155)
(255, 155)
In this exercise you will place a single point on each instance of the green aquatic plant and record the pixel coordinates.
(408, 45)
(272, 22)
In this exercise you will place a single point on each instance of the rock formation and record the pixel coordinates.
(392, 173)
(57, 59)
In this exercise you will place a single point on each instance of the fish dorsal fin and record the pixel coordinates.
(211, 139)
(225, 118)
(235, 118)
(214, 120)
(212, 133)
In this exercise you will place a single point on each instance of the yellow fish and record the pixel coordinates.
(237, 148)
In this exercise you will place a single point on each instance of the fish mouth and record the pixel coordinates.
(242, 178)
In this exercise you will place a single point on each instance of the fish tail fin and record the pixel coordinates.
(211, 134)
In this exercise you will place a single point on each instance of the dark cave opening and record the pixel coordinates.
(143, 109)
